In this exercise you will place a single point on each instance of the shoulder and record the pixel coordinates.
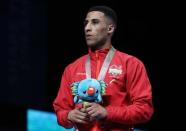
(128, 58)
(76, 63)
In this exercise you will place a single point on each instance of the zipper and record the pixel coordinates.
(98, 62)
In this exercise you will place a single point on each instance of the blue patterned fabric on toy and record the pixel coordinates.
(88, 90)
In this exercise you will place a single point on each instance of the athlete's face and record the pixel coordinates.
(96, 29)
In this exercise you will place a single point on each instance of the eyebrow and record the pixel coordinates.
(94, 19)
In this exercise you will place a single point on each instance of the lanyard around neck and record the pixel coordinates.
(104, 67)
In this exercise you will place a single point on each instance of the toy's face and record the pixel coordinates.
(89, 89)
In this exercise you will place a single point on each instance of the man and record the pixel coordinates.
(128, 98)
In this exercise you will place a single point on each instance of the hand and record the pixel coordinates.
(96, 111)
(78, 116)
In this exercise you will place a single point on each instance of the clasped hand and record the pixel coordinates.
(93, 111)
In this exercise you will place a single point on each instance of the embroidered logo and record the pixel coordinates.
(80, 73)
(115, 70)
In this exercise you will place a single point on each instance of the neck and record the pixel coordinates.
(107, 45)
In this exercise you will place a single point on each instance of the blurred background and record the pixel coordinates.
(38, 38)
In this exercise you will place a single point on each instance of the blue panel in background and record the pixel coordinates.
(43, 121)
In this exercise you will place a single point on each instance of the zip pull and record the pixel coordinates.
(97, 56)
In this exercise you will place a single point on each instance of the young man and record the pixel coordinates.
(128, 97)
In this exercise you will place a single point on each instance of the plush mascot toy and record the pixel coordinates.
(88, 90)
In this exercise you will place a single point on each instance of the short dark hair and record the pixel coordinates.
(109, 12)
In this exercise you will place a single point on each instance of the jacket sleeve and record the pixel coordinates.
(140, 108)
(63, 103)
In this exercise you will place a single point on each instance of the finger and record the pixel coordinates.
(76, 115)
(92, 111)
(95, 115)
(81, 117)
(80, 121)
(77, 118)
(90, 108)
(81, 113)
(83, 110)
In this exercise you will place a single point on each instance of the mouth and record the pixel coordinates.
(88, 36)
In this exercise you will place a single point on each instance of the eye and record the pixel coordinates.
(97, 91)
(84, 92)
(85, 22)
(95, 21)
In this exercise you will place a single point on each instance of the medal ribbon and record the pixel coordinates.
(104, 67)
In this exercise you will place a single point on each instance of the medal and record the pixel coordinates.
(89, 89)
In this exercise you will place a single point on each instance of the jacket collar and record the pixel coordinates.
(98, 54)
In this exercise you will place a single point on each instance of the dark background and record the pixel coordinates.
(39, 38)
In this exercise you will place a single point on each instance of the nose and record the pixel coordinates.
(88, 27)
(90, 91)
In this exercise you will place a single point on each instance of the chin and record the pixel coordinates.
(90, 44)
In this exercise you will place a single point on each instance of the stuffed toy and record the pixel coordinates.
(88, 90)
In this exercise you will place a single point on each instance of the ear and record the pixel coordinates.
(111, 28)
(74, 88)
(75, 99)
(103, 86)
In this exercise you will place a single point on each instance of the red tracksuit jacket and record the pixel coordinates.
(128, 98)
